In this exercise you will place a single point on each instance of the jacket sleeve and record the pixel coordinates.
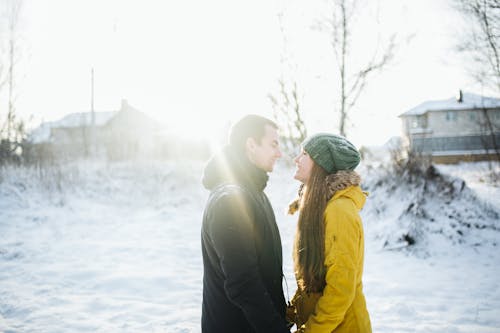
(232, 234)
(342, 236)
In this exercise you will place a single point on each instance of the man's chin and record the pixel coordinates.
(270, 168)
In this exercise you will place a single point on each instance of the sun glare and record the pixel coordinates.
(210, 131)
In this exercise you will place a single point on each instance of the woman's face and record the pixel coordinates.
(304, 165)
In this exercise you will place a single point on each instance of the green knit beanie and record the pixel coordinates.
(332, 152)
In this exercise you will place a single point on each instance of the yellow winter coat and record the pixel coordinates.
(341, 307)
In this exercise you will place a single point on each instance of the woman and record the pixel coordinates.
(329, 244)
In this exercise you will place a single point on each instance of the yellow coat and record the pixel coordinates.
(341, 307)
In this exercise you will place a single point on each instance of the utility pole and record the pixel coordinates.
(92, 95)
(10, 114)
(92, 114)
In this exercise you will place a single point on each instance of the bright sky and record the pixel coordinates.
(202, 64)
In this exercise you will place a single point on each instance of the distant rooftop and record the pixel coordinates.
(42, 133)
(84, 119)
(78, 119)
(468, 101)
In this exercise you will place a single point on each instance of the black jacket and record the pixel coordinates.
(242, 254)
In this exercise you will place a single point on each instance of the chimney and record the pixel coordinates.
(460, 96)
(124, 104)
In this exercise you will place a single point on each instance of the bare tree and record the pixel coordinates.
(480, 42)
(287, 112)
(489, 133)
(12, 129)
(286, 102)
(352, 80)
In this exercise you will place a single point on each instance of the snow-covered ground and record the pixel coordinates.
(115, 248)
(478, 178)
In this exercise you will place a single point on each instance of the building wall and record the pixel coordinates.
(464, 122)
(456, 145)
(451, 123)
(69, 135)
(73, 142)
(451, 136)
(128, 134)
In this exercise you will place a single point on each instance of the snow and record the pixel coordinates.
(408, 208)
(476, 175)
(470, 101)
(97, 247)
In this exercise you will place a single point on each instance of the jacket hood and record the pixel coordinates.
(342, 183)
(346, 184)
(233, 167)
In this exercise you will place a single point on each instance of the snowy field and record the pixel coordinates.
(116, 248)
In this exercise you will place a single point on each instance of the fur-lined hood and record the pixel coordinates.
(341, 180)
(347, 186)
(337, 184)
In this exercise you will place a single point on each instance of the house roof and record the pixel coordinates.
(42, 133)
(84, 119)
(469, 102)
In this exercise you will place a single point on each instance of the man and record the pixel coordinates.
(242, 258)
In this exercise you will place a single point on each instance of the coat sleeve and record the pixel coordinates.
(232, 236)
(342, 236)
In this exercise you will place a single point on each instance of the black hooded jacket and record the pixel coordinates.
(242, 254)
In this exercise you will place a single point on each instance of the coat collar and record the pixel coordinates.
(234, 167)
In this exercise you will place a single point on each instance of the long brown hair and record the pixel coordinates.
(309, 248)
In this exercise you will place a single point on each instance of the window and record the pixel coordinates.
(472, 115)
(451, 116)
(418, 122)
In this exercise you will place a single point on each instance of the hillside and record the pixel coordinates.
(432, 205)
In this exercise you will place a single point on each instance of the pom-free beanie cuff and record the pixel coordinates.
(332, 152)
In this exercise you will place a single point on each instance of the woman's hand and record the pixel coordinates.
(301, 329)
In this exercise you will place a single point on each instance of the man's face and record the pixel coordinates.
(266, 152)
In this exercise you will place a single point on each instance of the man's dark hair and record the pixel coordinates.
(250, 126)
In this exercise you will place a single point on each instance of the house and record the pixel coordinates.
(462, 128)
(123, 133)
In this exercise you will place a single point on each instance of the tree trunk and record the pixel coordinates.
(343, 111)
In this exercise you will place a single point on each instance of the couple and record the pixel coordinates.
(242, 254)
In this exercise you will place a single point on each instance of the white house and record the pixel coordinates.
(116, 134)
(465, 127)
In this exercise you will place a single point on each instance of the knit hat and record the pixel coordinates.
(332, 152)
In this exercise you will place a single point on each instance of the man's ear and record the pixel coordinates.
(250, 145)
